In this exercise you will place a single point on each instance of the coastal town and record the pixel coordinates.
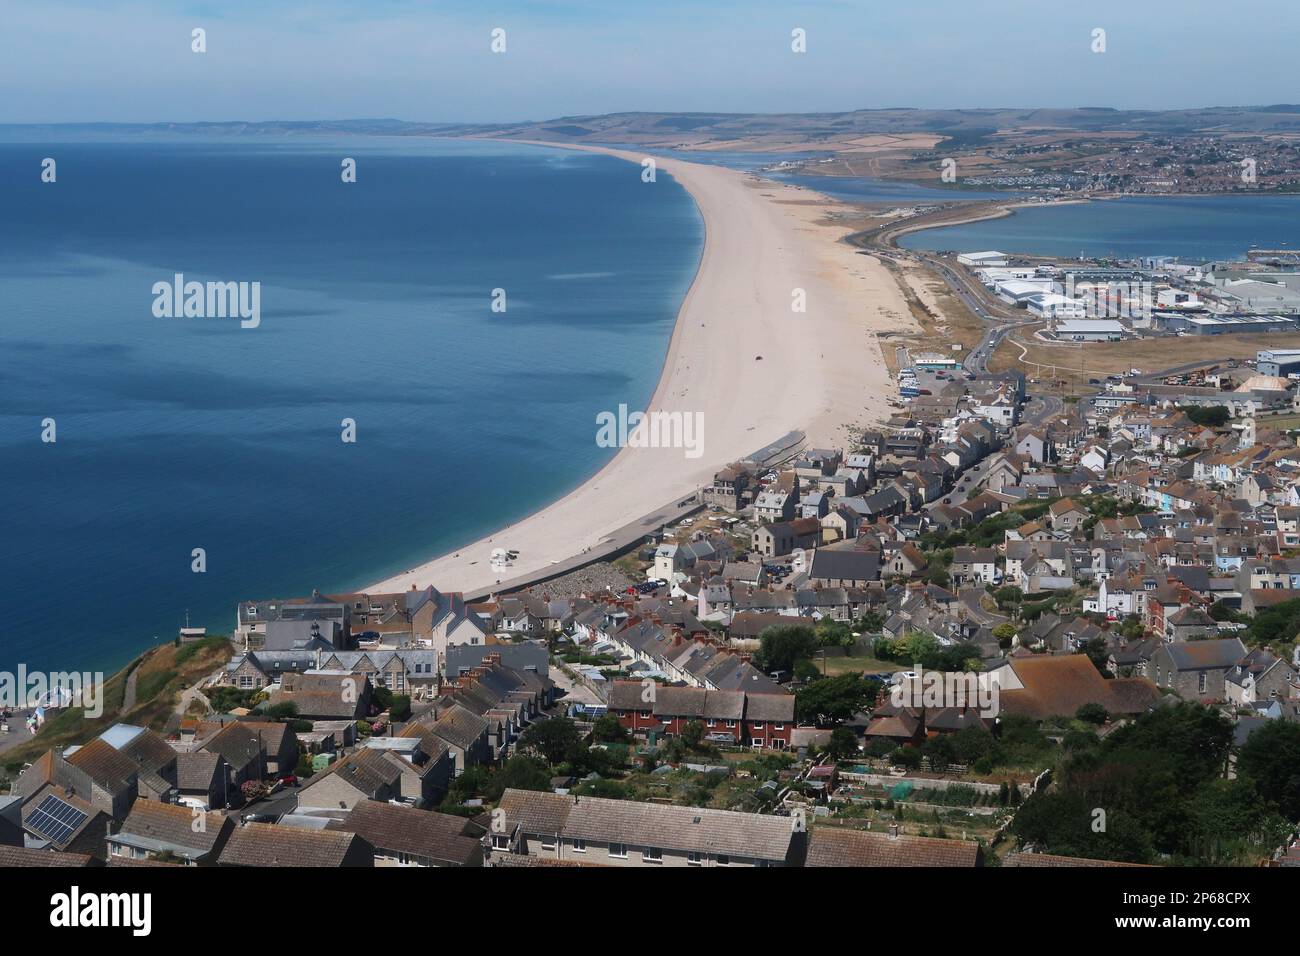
(993, 618)
(845, 441)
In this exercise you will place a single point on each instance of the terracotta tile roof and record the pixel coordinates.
(22, 856)
(836, 846)
(104, 764)
(1048, 859)
(1060, 685)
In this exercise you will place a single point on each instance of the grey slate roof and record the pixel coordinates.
(681, 829)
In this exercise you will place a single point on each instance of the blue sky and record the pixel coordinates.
(99, 60)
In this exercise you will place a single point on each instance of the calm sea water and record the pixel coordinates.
(175, 434)
(1193, 228)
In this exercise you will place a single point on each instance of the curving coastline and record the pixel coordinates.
(820, 371)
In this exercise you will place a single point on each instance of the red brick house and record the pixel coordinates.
(762, 721)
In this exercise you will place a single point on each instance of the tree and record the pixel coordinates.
(917, 647)
(1276, 624)
(832, 633)
(805, 670)
(607, 730)
(906, 756)
(399, 708)
(282, 711)
(940, 751)
(1270, 758)
(843, 743)
(520, 773)
(1215, 416)
(834, 699)
(1099, 654)
(872, 622)
(1092, 714)
(781, 645)
(551, 738)
(1005, 634)
(1220, 611)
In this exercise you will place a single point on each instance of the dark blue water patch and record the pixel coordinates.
(181, 433)
(1190, 227)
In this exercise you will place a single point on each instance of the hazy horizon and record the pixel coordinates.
(74, 61)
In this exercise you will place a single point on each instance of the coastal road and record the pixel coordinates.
(976, 298)
(1042, 407)
(607, 547)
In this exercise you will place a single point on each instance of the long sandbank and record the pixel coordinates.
(740, 356)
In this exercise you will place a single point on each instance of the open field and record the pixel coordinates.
(835, 666)
(940, 319)
(1074, 364)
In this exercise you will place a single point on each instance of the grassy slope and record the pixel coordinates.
(164, 672)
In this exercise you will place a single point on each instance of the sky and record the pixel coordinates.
(107, 61)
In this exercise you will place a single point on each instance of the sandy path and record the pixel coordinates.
(821, 370)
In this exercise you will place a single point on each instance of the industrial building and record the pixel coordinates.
(1050, 305)
(1018, 292)
(1223, 324)
(1279, 363)
(1089, 330)
(981, 259)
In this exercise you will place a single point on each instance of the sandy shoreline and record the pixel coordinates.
(821, 370)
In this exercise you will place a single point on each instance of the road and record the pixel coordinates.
(1040, 408)
(607, 547)
(574, 692)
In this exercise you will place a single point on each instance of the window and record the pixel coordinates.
(757, 742)
(693, 858)
(652, 855)
(618, 851)
(500, 842)
(758, 725)
(724, 861)
(712, 722)
(579, 846)
(778, 726)
(548, 843)
(1201, 682)
(731, 724)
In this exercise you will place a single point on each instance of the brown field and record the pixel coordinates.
(1075, 364)
(943, 319)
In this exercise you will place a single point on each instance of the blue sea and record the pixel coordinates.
(183, 433)
(1193, 228)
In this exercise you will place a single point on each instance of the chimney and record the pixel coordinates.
(893, 831)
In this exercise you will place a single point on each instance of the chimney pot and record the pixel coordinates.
(893, 831)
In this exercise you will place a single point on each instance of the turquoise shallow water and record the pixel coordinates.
(175, 434)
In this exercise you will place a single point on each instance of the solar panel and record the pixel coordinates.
(56, 820)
